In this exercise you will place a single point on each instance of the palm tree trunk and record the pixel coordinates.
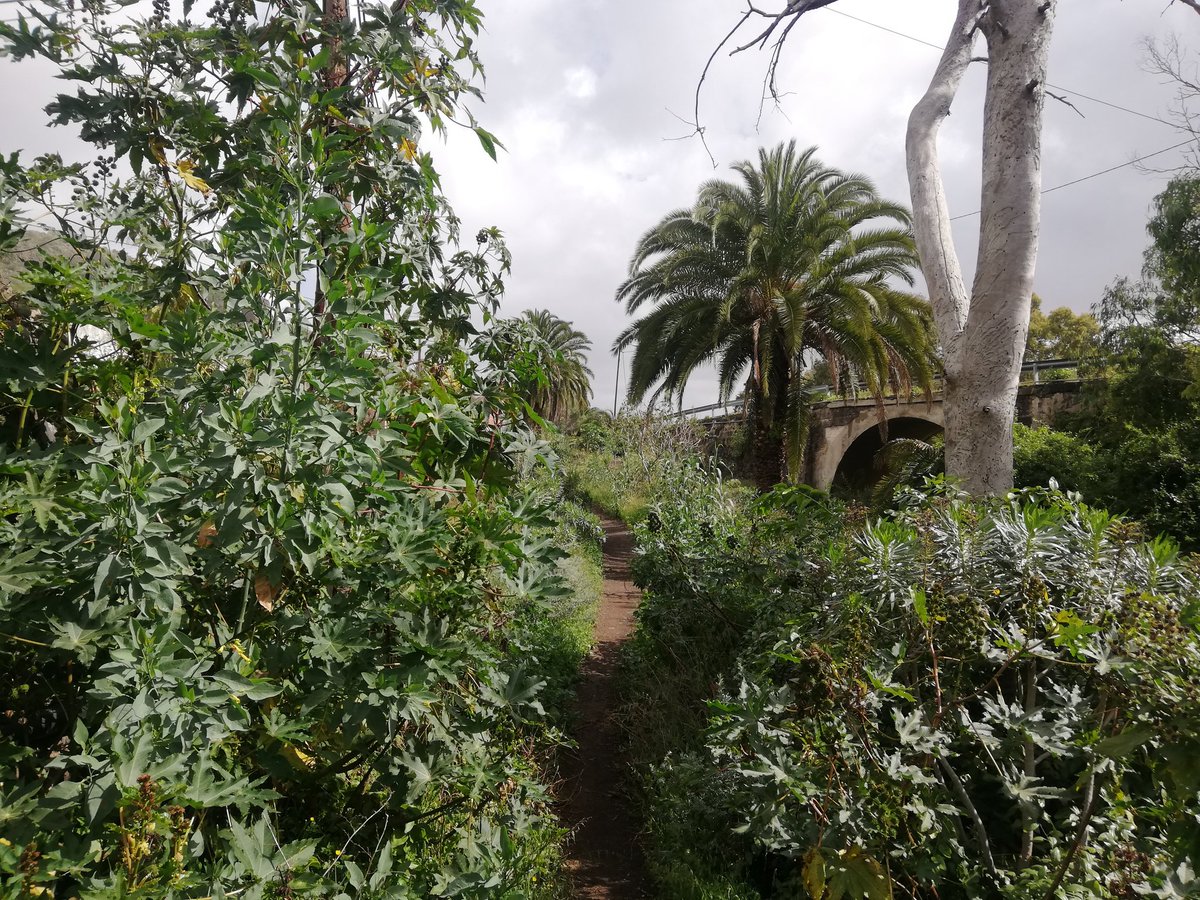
(764, 456)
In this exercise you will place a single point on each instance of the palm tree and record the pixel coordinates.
(566, 388)
(792, 262)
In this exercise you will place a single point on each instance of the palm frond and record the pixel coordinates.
(790, 257)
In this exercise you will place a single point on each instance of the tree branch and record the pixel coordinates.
(703, 75)
(794, 10)
(931, 213)
(1061, 99)
(956, 786)
(790, 14)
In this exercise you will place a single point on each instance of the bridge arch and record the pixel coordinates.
(856, 468)
(847, 435)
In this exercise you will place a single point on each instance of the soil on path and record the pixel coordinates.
(605, 860)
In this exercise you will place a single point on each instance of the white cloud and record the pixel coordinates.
(580, 82)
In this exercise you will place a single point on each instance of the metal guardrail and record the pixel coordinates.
(735, 407)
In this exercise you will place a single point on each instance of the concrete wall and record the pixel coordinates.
(1042, 404)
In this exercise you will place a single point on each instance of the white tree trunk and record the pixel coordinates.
(983, 334)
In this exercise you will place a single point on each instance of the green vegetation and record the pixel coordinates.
(795, 259)
(286, 607)
(955, 699)
(562, 631)
(1061, 334)
(298, 570)
(1135, 446)
(621, 466)
(958, 700)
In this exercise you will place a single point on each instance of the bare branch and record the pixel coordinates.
(1168, 60)
(787, 17)
(703, 75)
(794, 10)
(1194, 4)
(1066, 102)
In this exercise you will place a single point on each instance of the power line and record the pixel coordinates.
(1082, 96)
(1067, 184)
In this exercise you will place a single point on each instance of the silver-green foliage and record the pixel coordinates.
(958, 700)
(980, 700)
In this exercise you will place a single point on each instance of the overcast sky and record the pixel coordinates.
(587, 96)
(590, 96)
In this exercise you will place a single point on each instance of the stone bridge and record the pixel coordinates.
(844, 435)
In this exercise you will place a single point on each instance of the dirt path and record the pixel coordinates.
(605, 861)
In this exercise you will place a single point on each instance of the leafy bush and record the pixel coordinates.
(273, 600)
(1042, 454)
(593, 432)
(962, 700)
(1154, 474)
(561, 632)
(713, 562)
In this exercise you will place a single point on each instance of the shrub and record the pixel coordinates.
(272, 594)
(1154, 475)
(1041, 454)
(963, 700)
(639, 460)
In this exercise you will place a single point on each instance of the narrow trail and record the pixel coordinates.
(605, 861)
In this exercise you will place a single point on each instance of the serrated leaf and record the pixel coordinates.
(104, 575)
(185, 169)
(340, 497)
(17, 575)
(251, 848)
(326, 206)
(263, 76)
(856, 876)
(261, 388)
(488, 140)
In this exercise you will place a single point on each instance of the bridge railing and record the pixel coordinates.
(714, 410)
(1037, 366)
(1034, 367)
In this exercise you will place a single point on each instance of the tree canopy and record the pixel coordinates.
(1061, 333)
(563, 388)
(791, 261)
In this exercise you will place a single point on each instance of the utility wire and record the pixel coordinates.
(1067, 184)
(1082, 96)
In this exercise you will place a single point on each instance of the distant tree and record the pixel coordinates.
(1174, 63)
(1173, 259)
(566, 389)
(1061, 334)
(1144, 416)
(793, 259)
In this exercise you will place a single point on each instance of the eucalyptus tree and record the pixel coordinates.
(982, 330)
(792, 260)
